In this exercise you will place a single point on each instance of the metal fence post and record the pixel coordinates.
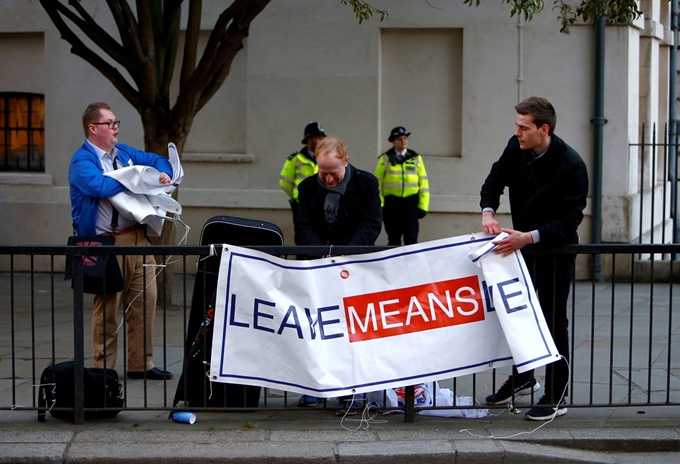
(672, 122)
(410, 406)
(78, 343)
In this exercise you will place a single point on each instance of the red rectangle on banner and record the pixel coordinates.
(413, 309)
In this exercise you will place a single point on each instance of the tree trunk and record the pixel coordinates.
(165, 271)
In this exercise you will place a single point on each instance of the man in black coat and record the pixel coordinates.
(338, 206)
(548, 185)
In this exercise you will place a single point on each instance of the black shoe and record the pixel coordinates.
(507, 390)
(152, 374)
(544, 410)
(308, 401)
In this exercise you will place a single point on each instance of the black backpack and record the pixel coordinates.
(101, 388)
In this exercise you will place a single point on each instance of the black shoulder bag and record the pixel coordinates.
(101, 273)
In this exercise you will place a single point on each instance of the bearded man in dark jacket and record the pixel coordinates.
(548, 186)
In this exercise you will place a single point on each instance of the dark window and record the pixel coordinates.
(22, 132)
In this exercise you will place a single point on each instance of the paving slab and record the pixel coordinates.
(32, 453)
(383, 452)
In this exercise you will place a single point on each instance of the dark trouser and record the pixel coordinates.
(294, 207)
(552, 276)
(401, 218)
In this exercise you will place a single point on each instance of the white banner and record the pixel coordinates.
(518, 309)
(354, 324)
(146, 200)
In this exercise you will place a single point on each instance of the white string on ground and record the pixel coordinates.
(509, 409)
(552, 418)
(367, 416)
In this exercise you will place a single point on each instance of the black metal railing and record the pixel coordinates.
(623, 331)
(657, 219)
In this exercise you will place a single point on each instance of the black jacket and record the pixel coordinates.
(547, 194)
(359, 219)
(392, 155)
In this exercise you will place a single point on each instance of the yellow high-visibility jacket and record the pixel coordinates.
(296, 168)
(403, 179)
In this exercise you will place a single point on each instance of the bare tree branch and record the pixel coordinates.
(218, 79)
(191, 41)
(231, 42)
(148, 85)
(78, 48)
(93, 31)
(237, 31)
(167, 44)
(190, 93)
(127, 27)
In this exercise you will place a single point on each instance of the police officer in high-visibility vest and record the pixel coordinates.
(300, 165)
(404, 189)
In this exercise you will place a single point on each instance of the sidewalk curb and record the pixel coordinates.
(104, 445)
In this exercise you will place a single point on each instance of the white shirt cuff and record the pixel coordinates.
(535, 235)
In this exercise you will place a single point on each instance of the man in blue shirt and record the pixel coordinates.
(93, 214)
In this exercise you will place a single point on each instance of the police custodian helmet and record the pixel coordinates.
(398, 132)
(313, 128)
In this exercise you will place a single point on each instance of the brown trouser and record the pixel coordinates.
(139, 306)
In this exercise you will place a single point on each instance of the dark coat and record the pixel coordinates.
(547, 194)
(359, 219)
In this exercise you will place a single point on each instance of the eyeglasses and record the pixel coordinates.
(109, 124)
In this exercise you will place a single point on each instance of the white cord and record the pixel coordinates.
(552, 418)
(212, 252)
(207, 374)
(54, 395)
(159, 268)
(367, 416)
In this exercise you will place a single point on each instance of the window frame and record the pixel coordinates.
(24, 160)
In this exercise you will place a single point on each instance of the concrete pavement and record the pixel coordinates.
(604, 435)
(39, 313)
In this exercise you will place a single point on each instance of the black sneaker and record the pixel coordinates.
(545, 410)
(506, 392)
